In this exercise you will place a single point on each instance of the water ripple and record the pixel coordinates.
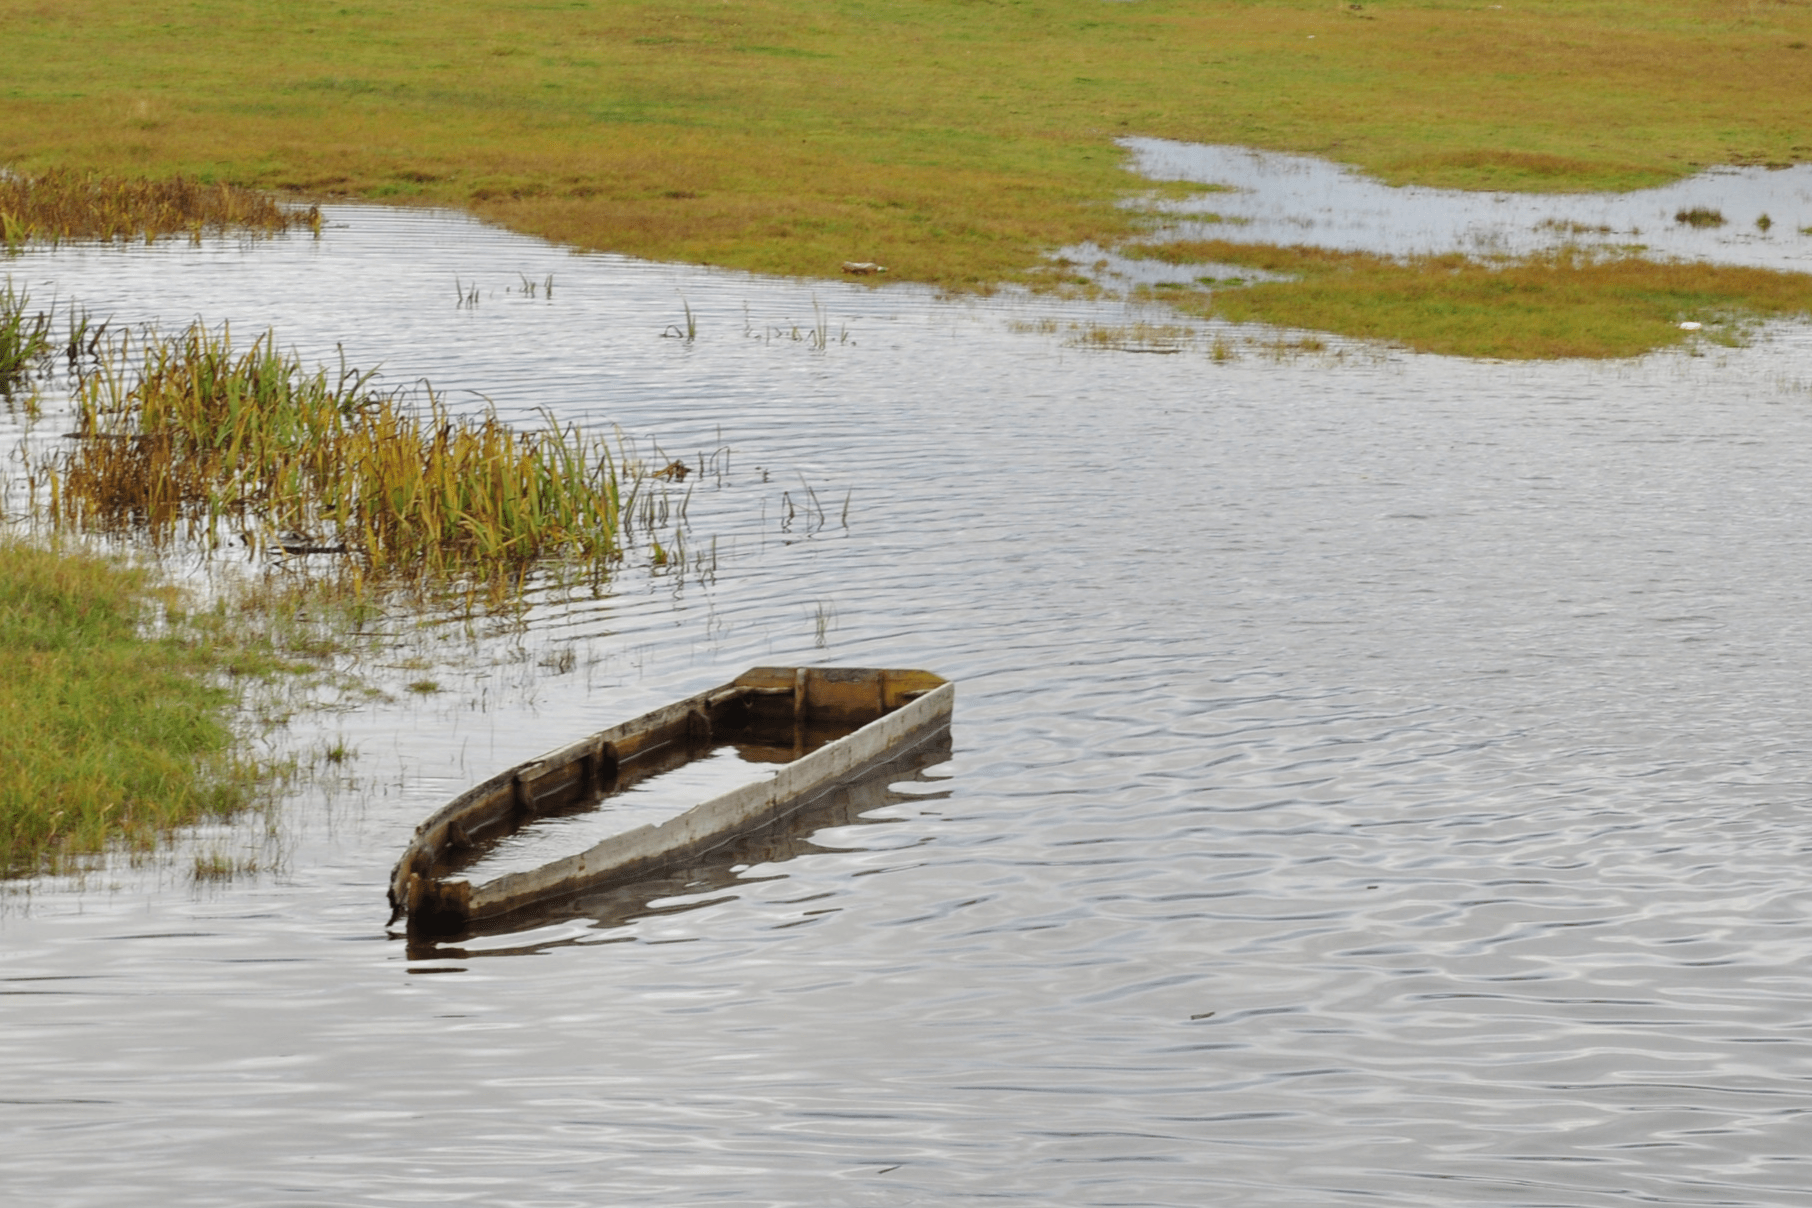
(1373, 778)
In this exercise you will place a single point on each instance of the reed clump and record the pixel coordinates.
(190, 438)
(65, 204)
(25, 338)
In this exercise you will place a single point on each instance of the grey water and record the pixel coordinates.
(1374, 779)
(1273, 197)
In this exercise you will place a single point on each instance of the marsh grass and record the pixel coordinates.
(25, 338)
(1562, 304)
(64, 204)
(189, 438)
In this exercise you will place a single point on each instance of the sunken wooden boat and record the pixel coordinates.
(820, 725)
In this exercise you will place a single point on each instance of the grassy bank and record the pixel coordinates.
(953, 141)
(114, 700)
(104, 733)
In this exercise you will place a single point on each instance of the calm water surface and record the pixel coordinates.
(1765, 213)
(1375, 779)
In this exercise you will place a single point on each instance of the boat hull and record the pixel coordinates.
(886, 712)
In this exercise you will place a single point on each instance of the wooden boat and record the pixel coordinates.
(822, 725)
(893, 791)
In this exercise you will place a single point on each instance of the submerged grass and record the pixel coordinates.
(1132, 337)
(104, 732)
(64, 204)
(1563, 304)
(189, 438)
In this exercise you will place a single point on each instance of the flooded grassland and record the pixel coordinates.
(1374, 776)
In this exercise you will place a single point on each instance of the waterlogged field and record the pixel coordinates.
(1374, 776)
(956, 143)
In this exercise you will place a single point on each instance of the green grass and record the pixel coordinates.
(955, 141)
(1560, 305)
(104, 733)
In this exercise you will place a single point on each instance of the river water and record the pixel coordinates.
(1375, 779)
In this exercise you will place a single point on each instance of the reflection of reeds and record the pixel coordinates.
(190, 437)
(64, 204)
